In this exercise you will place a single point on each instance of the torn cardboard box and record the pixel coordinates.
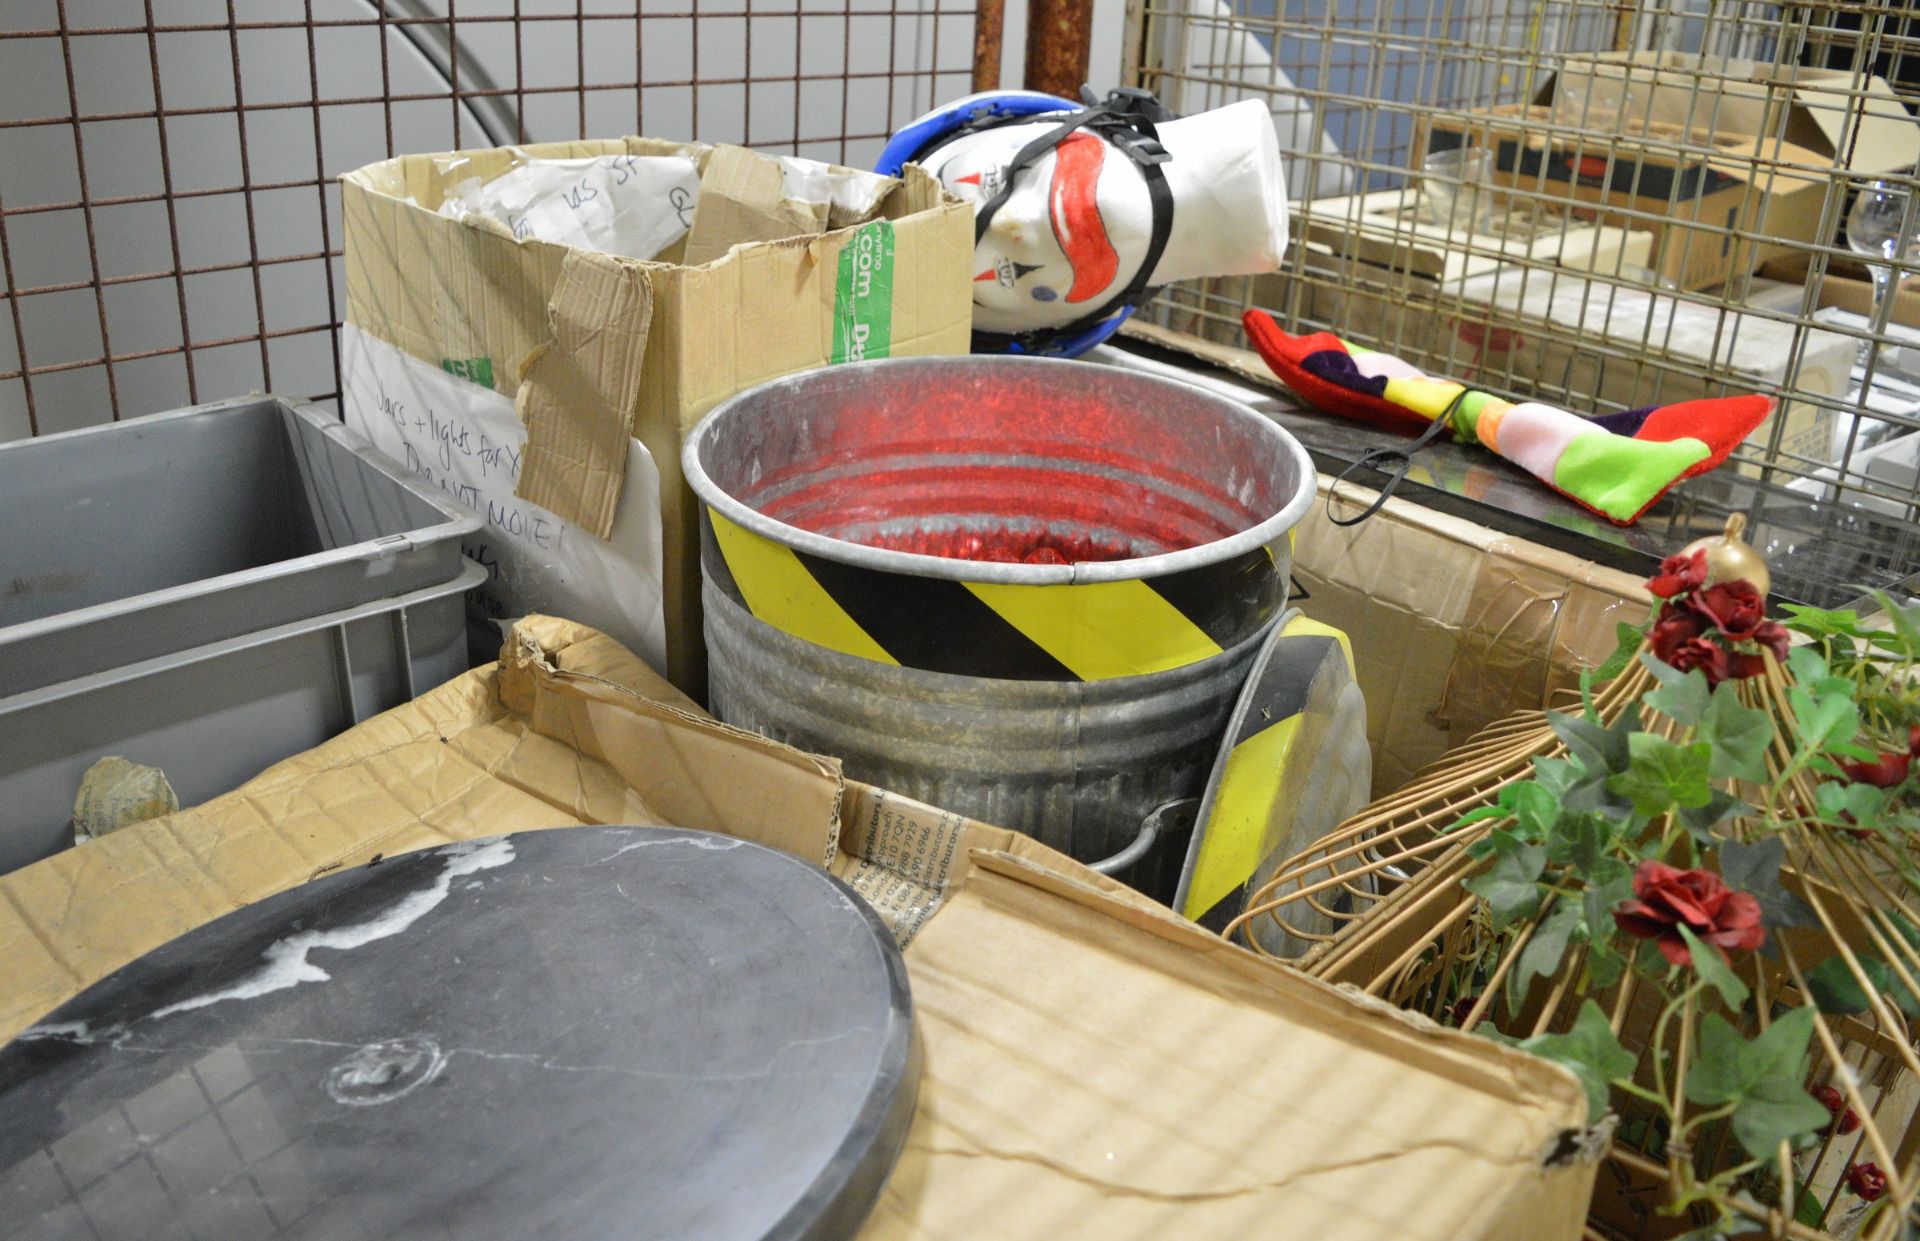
(575, 373)
(1188, 1088)
(1729, 161)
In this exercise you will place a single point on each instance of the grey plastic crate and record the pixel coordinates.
(148, 537)
(215, 716)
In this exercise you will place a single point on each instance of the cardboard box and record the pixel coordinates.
(1848, 286)
(1777, 142)
(609, 361)
(1094, 1066)
(1384, 229)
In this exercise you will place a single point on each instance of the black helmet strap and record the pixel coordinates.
(1127, 118)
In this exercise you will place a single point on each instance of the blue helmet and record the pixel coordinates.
(1126, 119)
(986, 108)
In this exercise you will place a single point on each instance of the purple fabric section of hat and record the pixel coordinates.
(1626, 423)
(1336, 367)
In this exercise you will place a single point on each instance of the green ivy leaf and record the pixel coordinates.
(1556, 775)
(1739, 735)
(1714, 970)
(1597, 749)
(1825, 718)
(1663, 774)
(1627, 640)
(1594, 794)
(1755, 868)
(1902, 619)
(1682, 696)
(1594, 1055)
(1806, 665)
(1508, 886)
(1476, 815)
(1532, 807)
(1836, 990)
(1608, 884)
(1862, 803)
(1701, 820)
(1763, 1078)
(1544, 951)
(1580, 841)
(1818, 623)
(1604, 965)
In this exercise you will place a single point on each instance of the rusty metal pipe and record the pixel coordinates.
(989, 27)
(1059, 43)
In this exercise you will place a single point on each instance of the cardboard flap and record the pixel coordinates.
(689, 768)
(577, 391)
(1886, 137)
(1089, 1062)
(743, 198)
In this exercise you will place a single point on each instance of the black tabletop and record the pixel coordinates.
(579, 1033)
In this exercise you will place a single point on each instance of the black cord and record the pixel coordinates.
(1397, 474)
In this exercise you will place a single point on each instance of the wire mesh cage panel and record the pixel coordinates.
(169, 226)
(1598, 205)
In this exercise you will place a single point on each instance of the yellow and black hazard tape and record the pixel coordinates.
(1233, 836)
(1086, 631)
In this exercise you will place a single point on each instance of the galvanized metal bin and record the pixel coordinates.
(159, 535)
(214, 716)
(1067, 688)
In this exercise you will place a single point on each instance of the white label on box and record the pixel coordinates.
(466, 440)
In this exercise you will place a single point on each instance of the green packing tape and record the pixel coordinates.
(863, 295)
(479, 370)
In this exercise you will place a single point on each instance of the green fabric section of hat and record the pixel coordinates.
(1621, 476)
(1466, 418)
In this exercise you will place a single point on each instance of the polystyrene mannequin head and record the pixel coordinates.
(1078, 223)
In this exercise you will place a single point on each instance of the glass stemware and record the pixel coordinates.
(1881, 227)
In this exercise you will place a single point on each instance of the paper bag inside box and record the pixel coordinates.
(598, 352)
(1092, 1063)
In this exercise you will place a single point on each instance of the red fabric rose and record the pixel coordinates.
(1679, 574)
(1867, 1180)
(1773, 636)
(1735, 608)
(1830, 1098)
(1703, 653)
(1889, 771)
(1677, 624)
(1666, 898)
(1913, 740)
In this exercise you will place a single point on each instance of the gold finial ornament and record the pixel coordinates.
(1732, 558)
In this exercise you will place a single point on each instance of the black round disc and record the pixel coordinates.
(582, 1033)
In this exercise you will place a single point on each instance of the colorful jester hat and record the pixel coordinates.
(1615, 464)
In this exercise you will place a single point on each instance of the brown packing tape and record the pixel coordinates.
(577, 391)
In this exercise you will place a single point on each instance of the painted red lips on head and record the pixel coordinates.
(1075, 211)
(1073, 207)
